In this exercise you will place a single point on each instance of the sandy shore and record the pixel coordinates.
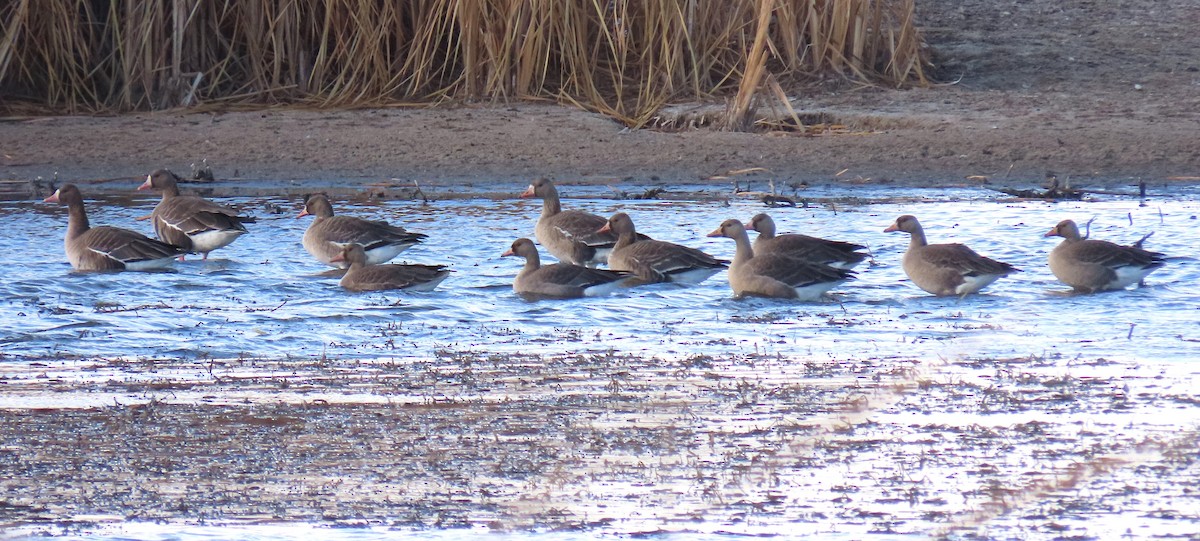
(1104, 95)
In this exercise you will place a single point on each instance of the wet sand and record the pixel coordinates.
(624, 444)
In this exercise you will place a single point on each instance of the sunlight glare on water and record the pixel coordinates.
(305, 532)
(264, 297)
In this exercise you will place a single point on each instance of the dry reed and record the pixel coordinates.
(623, 58)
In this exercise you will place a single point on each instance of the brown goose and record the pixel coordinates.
(843, 255)
(1097, 265)
(775, 275)
(654, 260)
(328, 235)
(570, 235)
(362, 276)
(191, 222)
(946, 269)
(107, 248)
(560, 280)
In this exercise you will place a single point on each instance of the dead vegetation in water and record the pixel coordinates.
(624, 59)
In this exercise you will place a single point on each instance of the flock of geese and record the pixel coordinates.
(791, 266)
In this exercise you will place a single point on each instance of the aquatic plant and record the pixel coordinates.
(623, 59)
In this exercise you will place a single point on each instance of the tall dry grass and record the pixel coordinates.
(625, 58)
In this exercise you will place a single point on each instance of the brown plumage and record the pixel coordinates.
(1089, 265)
(107, 248)
(328, 235)
(560, 280)
(773, 274)
(946, 269)
(654, 260)
(571, 236)
(834, 253)
(189, 221)
(362, 276)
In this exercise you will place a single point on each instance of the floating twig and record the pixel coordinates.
(1138, 244)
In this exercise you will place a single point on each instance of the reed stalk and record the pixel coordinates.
(624, 58)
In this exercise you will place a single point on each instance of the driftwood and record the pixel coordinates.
(1066, 193)
(1054, 193)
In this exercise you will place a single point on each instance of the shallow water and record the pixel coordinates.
(260, 312)
(264, 297)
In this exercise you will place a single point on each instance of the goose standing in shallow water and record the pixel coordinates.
(656, 261)
(775, 275)
(572, 236)
(946, 269)
(843, 255)
(189, 221)
(363, 276)
(560, 280)
(1096, 265)
(328, 235)
(104, 247)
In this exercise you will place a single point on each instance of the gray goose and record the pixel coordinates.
(189, 221)
(560, 280)
(843, 255)
(946, 269)
(656, 261)
(363, 276)
(774, 274)
(107, 248)
(570, 235)
(1096, 265)
(328, 235)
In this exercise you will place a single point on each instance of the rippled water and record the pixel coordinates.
(265, 299)
(264, 296)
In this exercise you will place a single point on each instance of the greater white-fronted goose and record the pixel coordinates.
(843, 255)
(107, 248)
(560, 280)
(1096, 265)
(946, 269)
(328, 235)
(572, 236)
(775, 275)
(655, 261)
(363, 276)
(191, 222)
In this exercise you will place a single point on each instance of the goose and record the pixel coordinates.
(363, 276)
(946, 269)
(843, 255)
(775, 275)
(328, 235)
(189, 221)
(572, 236)
(1096, 265)
(656, 261)
(560, 280)
(104, 247)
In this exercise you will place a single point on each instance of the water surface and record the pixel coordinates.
(880, 411)
(264, 296)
